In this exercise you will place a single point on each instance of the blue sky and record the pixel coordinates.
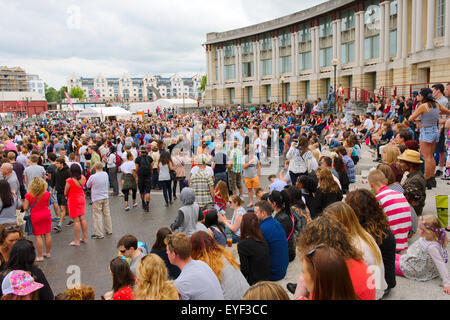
(58, 38)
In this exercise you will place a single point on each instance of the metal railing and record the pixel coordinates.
(404, 89)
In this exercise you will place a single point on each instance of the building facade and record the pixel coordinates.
(35, 84)
(378, 46)
(13, 79)
(148, 88)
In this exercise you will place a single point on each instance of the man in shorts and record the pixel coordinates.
(252, 172)
(144, 171)
(235, 169)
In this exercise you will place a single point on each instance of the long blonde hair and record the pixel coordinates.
(391, 154)
(37, 187)
(206, 249)
(345, 214)
(152, 283)
(326, 180)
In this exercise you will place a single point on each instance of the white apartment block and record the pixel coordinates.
(134, 89)
(35, 84)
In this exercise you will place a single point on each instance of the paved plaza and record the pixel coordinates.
(93, 258)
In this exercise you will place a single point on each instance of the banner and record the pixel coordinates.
(70, 102)
(94, 93)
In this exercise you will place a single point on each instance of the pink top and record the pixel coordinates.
(398, 212)
(9, 145)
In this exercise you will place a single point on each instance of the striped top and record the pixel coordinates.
(237, 160)
(398, 212)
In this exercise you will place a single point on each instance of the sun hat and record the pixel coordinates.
(19, 283)
(410, 156)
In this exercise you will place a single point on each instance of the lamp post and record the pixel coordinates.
(335, 63)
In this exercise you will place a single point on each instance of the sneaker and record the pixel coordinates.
(57, 228)
(109, 233)
(94, 236)
(56, 219)
(69, 223)
(135, 205)
(127, 208)
(445, 178)
(438, 173)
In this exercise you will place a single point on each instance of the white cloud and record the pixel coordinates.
(136, 37)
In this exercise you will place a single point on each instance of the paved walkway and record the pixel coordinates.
(93, 258)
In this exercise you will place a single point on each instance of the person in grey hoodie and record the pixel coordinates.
(189, 215)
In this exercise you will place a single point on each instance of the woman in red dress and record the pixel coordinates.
(76, 203)
(38, 199)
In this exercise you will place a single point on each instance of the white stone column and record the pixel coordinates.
(335, 48)
(317, 49)
(313, 50)
(338, 40)
(236, 62)
(296, 54)
(399, 29)
(361, 37)
(255, 60)
(387, 29)
(430, 24)
(447, 23)
(208, 65)
(274, 57)
(413, 26)
(357, 40)
(277, 58)
(221, 67)
(293, 53)
(404, 29)
(258, 60)
(419, 24)
(382, 32)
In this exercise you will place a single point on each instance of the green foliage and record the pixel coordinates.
(76, 93)
(202, 84)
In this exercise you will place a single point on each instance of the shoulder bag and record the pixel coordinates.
(27, 218)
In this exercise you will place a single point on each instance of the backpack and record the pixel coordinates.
(144, 166)
(118, 160)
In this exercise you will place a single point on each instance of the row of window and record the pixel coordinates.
(371, 51)
(372, 14)
(286, 92)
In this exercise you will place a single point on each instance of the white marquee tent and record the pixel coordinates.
(103, 113)
(163, 103)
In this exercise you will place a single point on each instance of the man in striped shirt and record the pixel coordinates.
(203, 184)
(395, 206)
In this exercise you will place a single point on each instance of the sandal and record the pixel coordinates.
(39, 259)
(83, 241)
(74, 244)
(47, 255)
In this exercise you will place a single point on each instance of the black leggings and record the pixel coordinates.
(181, 181)
(126, 194)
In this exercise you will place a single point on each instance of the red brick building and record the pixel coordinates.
(25, 103)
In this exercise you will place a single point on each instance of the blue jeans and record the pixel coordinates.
(166, 190)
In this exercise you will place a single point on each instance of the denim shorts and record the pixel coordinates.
(429, 134)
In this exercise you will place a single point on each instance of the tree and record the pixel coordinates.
(61, 94)
(51, 95)
(202, 84)
(76, 93)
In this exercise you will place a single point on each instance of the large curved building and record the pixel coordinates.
(380, 46)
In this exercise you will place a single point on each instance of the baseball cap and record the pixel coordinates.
(19, 283)
(415, 92)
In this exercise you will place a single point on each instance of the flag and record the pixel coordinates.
(70, 102)
(94, 93)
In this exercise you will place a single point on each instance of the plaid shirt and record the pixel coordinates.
(201, 182)
(237, 160)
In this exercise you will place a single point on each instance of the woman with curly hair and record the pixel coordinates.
(372, 218)
(151, 282)
(362, 240)
(328, 191)
(222, 262)
(327, 230)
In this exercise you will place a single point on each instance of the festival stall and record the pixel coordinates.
(108, 113)
(177, 104)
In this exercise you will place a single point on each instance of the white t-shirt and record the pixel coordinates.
(128, 167)
(257, 145)
(82, 151)
(208, 169)
(368, 124)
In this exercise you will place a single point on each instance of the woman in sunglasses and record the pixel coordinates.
(326, 275)
(9, 234)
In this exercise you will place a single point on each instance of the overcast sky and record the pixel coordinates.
(54, 38)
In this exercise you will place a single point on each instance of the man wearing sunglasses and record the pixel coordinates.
(128, 247)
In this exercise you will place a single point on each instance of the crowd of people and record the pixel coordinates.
(352, 243)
